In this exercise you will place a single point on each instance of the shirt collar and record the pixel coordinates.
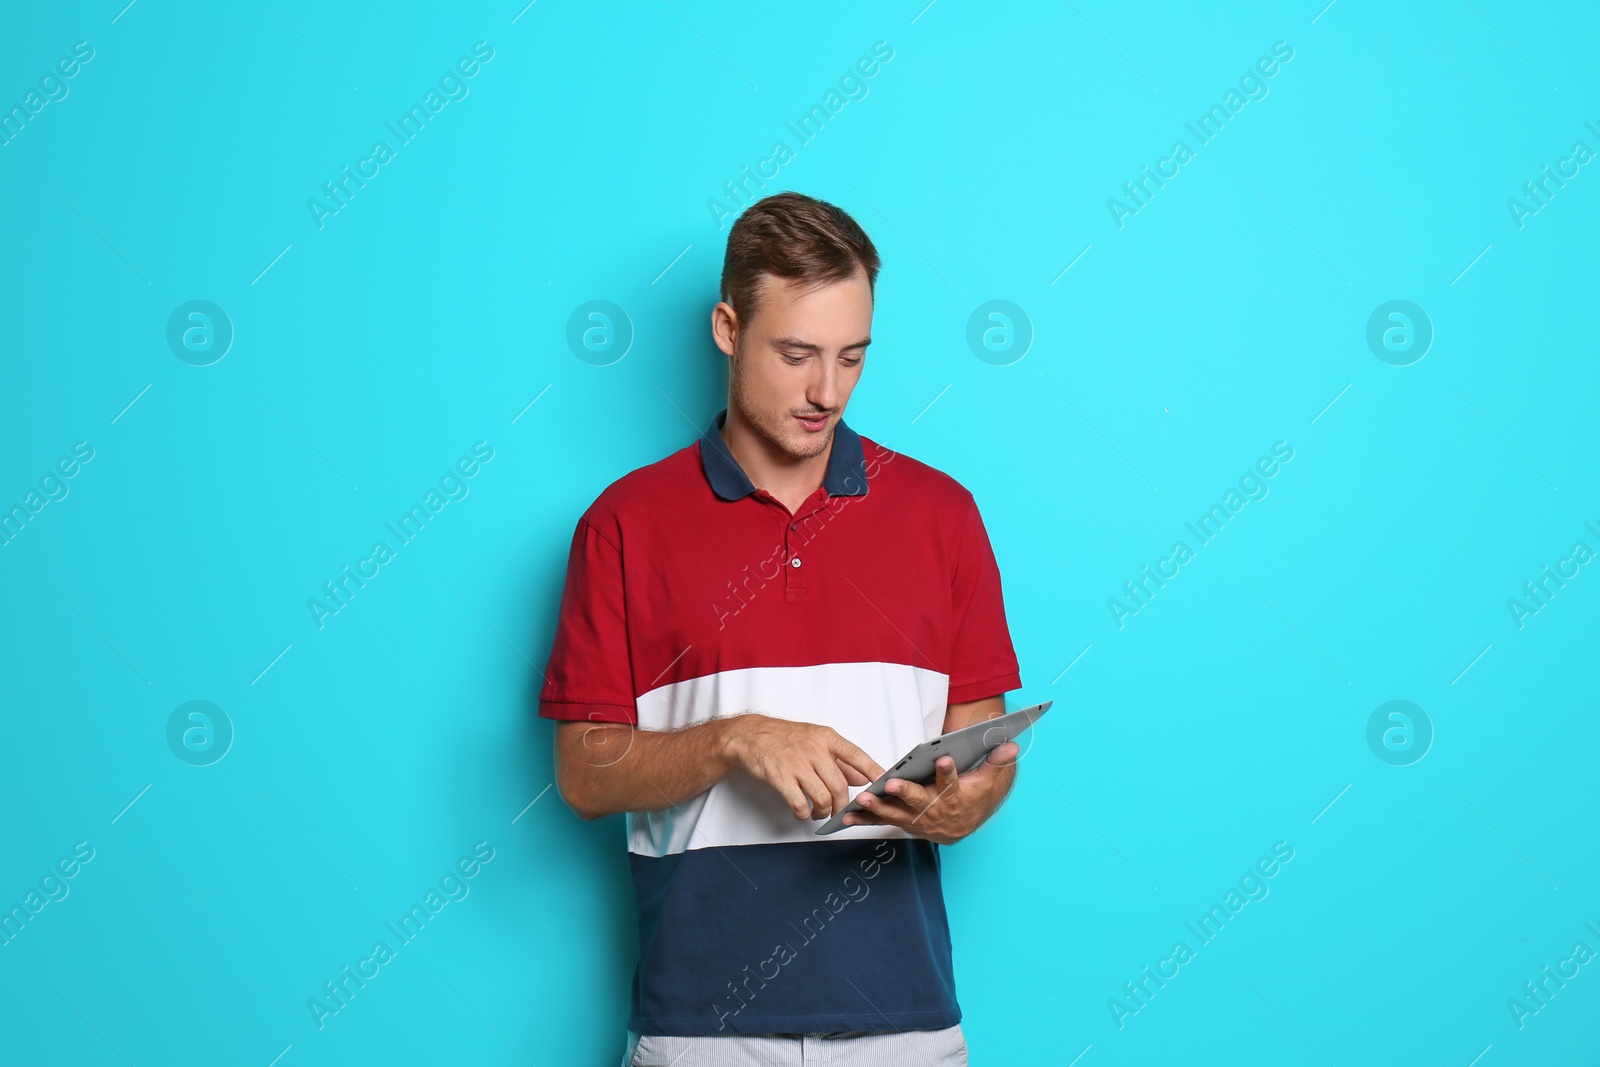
(846, 474)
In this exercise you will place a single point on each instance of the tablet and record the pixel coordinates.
(969, 746)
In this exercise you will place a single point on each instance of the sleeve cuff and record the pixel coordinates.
(577, 711)
(996, 685)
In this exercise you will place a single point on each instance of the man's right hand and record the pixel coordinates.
(809, 765)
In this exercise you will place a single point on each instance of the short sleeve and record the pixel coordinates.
(589, 676)
(983, 662)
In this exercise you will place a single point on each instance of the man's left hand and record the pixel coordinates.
(948, 808)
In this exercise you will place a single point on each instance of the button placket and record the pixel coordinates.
(794, 578)
(799, 566)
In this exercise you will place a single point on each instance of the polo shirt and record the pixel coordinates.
(691, 595)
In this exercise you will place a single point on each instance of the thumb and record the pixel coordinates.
(1003, 755)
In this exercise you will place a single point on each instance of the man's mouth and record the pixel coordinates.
(819, 422)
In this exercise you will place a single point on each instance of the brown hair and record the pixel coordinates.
(792, 236)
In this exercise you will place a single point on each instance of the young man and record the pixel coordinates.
(749, 627)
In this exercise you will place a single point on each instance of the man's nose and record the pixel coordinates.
(824, 389)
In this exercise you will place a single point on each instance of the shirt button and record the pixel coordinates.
(795, 562)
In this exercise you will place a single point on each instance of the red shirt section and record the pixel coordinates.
(670, 580)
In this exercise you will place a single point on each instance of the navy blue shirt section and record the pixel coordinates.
(755, 939)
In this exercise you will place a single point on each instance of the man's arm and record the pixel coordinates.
(952, 806)
(958, 715)
(605, 768)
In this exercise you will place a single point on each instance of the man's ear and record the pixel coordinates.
(725, 327)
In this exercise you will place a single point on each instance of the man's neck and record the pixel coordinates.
(791, 480)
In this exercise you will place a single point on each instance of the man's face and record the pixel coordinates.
(798, 357)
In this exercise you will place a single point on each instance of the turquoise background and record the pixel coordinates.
(1229, 313)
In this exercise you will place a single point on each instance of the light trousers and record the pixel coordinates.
(908, 1048)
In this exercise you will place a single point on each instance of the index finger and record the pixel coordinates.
(855, 757)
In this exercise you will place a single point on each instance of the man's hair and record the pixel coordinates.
(792, 236)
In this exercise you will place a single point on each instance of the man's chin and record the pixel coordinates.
(808, 445)
(798, 443)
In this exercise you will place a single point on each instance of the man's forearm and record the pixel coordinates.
(605, 768)
(965, 714)
(1003, 780)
